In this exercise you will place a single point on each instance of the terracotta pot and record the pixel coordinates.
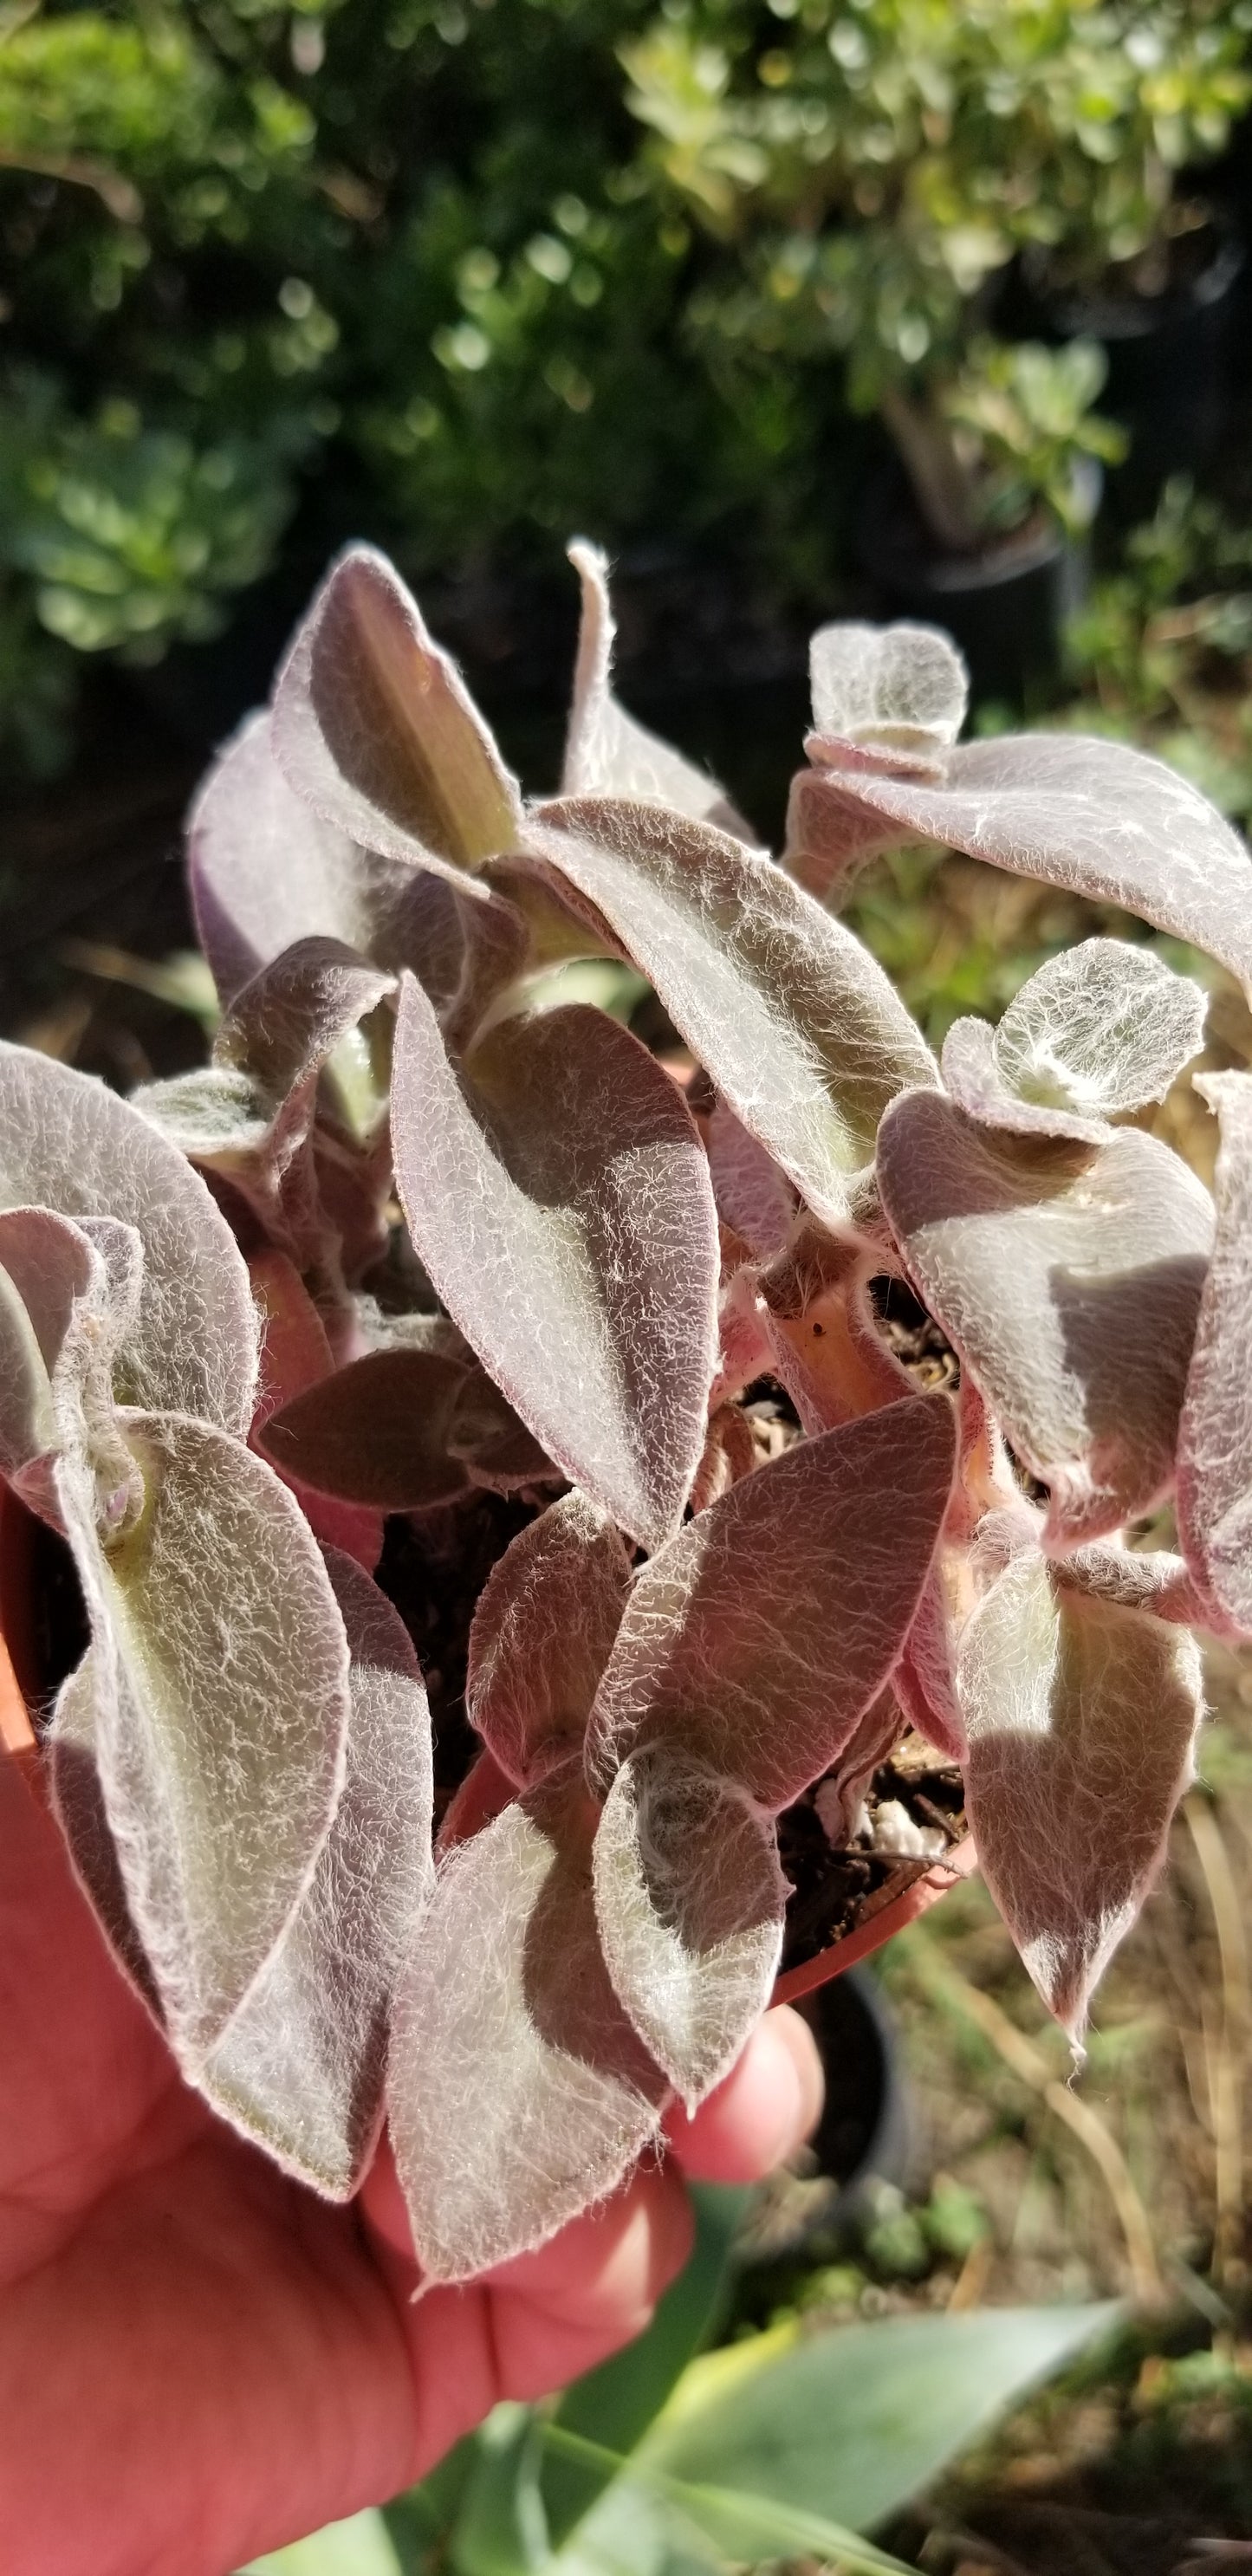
(924, 1892)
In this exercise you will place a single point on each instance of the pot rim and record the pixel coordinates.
(854, 1947)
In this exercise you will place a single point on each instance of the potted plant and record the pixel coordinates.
(428, 1247)
(872, 175)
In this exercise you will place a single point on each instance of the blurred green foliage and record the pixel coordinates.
(466, 274)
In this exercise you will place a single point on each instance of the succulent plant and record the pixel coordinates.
(424, 1228)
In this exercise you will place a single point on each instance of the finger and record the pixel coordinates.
(562, 2309)
(769, 2104)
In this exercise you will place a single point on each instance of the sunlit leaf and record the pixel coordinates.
(1215, 1444)
(794, 1020)
(222, 1712)
(265, 870)
(1097, 818)
(558, 1198)
(518, 2092)
(690, 1900)
(68, 1144)
(1081, 1717)
(1068, 1279)
(374, 727)
(301, 2066)
(755, 1640)
(903, 689)
(607, 753)
(1100, 1028)
(543, 1629)
(374, 1432)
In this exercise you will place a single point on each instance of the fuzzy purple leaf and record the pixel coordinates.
(374, 727)
(68, 1144)
(755, 1640)
(690, 1901)
(557, 1195)
(1101, 1028)
(607, 753)
(1081, 1718)
(221, 1709)
(1068, 1279)
(517, 2091)
(375, 1432)
(1097, 818)
(794, 1020)
(301, 2067)
(1215, 1446)
(542, 1633)
(902, 689)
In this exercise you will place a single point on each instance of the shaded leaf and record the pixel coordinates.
(838, 1797)
(1215, 1441)
(1097, 818)
(752, 1195)
(690, 1900)
(542, 1632)
(498, 1450)
(72, 1756)
(756, 1638)
(558, 1198)
(375, 1432)
(901, 688)
(301, 2066)
(221, 1673)
(1081, 1717)
(1100, 1028)
(795, 1022)
(517, 2092)
(70, 1298)
(68, 1144)
(296, 1354)
(285, 1023)
(1068, 1279)
(607, 753)
(373, 726)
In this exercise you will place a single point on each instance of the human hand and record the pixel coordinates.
(198, 2359)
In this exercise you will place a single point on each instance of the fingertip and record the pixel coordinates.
(768, 2105)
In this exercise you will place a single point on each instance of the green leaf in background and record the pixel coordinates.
(847, 2425)
(358, 2547)
(614, 2405)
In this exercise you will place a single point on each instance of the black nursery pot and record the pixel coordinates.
(1168, 361)
(865, 2134)
(1006, 606)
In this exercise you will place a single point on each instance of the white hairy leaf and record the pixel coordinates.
(375, 728)
(902, 687)
(607, 753)
(543, 1629)
(1081, 1718)
(558, 1197)
(517, 2091)
(1102, 1027)
(690, 1901)
(1215, 1444)
(1098, 818)
(301, 2067)
(1069, 1281)
(754, 1641)
(794, 1020)
(69, 1145)
(265, 870)
(222, 1711)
